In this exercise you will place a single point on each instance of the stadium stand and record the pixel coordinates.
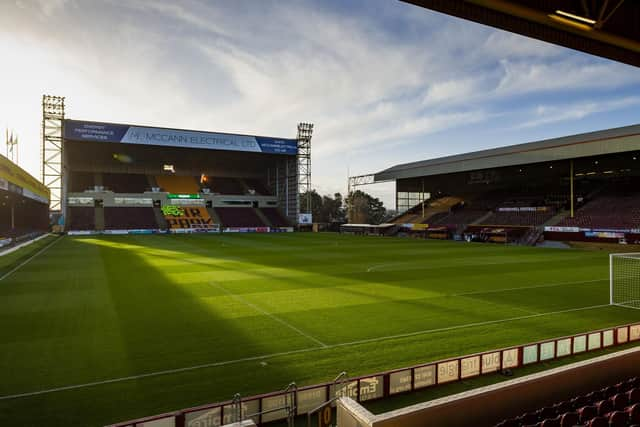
(525, 218)
(614, 212)
(178, 184)
(125, 183)
(239, 217)
(81, 218)
(274, 216)
(616, 405)
(431, 208)
(81, 181)
(185, 216)
(257, 186)
(226, 186)
(127, 218)
(460, 217)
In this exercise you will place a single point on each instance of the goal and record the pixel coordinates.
(624, 279)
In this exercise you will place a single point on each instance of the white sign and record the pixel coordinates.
(305, 218)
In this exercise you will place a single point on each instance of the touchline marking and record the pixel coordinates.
(266, 313)
(287, 353)
(16, 268)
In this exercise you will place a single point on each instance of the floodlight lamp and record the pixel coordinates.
(576, 17)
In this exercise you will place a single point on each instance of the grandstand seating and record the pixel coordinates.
(178, 184)
(258, 186)
(239, 217)
(432, 207)
(81, 181)
(613, 212)
(460, 217)
(81, 218)
(226, 186)
(125, 183)
(612, 406)
(192, 216)
(124, 218)
(275, 217)
(531, 218)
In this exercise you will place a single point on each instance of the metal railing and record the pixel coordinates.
(299, 401)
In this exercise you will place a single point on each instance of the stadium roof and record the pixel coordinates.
(610, 141)
(607, 28)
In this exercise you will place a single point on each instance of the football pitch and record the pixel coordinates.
(95, 330)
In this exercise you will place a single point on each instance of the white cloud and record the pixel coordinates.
(372, 83)
(547, 114)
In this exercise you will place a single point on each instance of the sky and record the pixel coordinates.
(384, 82)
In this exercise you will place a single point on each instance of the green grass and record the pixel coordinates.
(308, 305)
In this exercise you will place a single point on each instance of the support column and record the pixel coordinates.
(571, 186)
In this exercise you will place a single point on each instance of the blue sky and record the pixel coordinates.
(383, 81)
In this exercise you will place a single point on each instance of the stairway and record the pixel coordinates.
(263, 218)
(160, 219)
(556, 218)
(214, 216)
(482, 218)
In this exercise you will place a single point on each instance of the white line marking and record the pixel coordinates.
(266, 313)
(10, 272)
(468, 325)
(376, 266)
(304, 350)
(157, 373)
(478, 300)
(544, 285)
(22, 245)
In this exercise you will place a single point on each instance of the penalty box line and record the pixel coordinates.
(292, 352)
(266, 313)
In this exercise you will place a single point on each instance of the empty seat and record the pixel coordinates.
(569, 419)
(620, 401)
(239, 217)
(275, 217)
(599, 422)
(633, 395)
(633, 413)
(618, 419)
(586, 413)
(604, 407)
(128, 218)
(550, 422)
(546, 413)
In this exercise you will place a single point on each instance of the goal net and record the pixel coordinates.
(624, 278)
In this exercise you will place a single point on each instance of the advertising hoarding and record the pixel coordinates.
(141, 135)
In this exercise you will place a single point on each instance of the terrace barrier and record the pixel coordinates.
(384, 384)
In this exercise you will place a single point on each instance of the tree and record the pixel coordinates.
(365, 209)
(324, 208)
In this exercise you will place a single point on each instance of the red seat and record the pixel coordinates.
(620, 401)
(586, 413)
(599, 422)
(569, 419)
(618, 419)
(604, 407)
(633, 395)
(550, 422)
(633, 412)
(547, 413)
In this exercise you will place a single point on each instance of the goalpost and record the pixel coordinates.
(624, 279)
